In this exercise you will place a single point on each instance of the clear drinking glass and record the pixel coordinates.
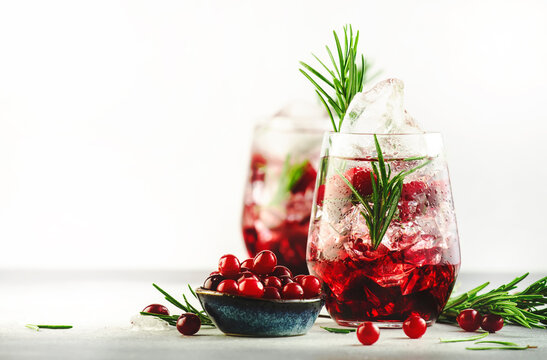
(414, 267)
(279, 191)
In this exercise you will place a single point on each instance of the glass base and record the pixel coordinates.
(380, 324)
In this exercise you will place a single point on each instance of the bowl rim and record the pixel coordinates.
(204, 291)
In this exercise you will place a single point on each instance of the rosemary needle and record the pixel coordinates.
(472, 338)
(37, 327)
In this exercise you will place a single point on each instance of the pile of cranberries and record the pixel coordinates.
(261, 277)
(471, 320)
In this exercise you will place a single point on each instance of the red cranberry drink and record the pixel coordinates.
(374, 269)
(279, 191)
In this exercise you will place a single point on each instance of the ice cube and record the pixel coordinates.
(149, 323)
(379, 110)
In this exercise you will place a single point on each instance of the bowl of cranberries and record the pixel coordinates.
(257, 297)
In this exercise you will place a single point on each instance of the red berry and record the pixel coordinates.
(285, 279)
(247, 264)
(212, 282)
(281, 270)
(258, 162)
(368, 333)
(293, 291)
(271, 293)
(307, 179)
(492, 323)
(214, 273)
(414, 327)
(251, 288)
(264, 262)
(228, 286)
(228, 265)
(273, 281)
(298, 279)
(469, 320)
(188, 324)
(412, 189)
(156, 309)
(311, 286)
(320, 196)
(246, 275)
(361, 181)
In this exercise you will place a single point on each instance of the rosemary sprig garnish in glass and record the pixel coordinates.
(381, 205)
(186, 307)
(346, 78)
(526, 308)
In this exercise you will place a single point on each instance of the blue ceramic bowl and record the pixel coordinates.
(244, 316)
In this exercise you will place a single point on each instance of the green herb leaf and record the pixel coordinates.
(472, 338)
(502, 348)
(506, 343)
(290, 175)
(187, 307)
(338, 330)
(36, 327)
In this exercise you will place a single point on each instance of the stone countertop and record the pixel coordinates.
(100, 304)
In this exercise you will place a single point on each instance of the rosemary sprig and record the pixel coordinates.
(37, 327)
(338, 330)
(186, 307)
(502, 347)
(290, 175)
(471, 338)
(346, 77)
(526, 308)
(380, 207)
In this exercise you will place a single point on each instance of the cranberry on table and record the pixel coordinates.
(156, 309)
(368, 333)
(271, 292)
(247, 264)
(311, 286)
(414, 327)
(228, 286)
(273, 281)
(212, 282)
(293, 291)
(188, 324)
(469, 320)
(298, 279)
(228, 265)
(492, 323)
(251, 287)
(281, 270)
(264, 262)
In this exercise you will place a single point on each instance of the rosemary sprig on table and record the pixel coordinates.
(38, 327)
(338, 330)
(186, 307)
(346, 77)
(380, 206)
(526, 308)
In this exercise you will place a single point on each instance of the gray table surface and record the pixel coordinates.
(100, 304)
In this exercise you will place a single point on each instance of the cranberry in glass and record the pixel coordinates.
(311, 286)
(298, 279)
(264, 262)
(281, 270)
(188, 324)
(469, 320)
(228, 265)
(273, 281)
(368, 333)
(212, 282)
(247, 264)
(492, 323)
(156, 309)
(251, 288)
(414, 327)
(228, 286)
(271, 293)
(293, 291)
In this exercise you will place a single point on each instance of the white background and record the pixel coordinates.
(125, 126)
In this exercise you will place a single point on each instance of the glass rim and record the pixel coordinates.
(337, 133)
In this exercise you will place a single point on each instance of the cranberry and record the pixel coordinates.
(368, 333)
(271, 293)
(156, 309)
(414, 327)
(412, 189)
(469, 320)
(251, 287)
(188, 324)
(311, 286)
(307, 179)
(214, 273)
(247, 264)
(293, 291)
(273, 281)
(320, 197)
(228, 286)
(285, 279)
(212, 282)
(281, 270)
(264, 262)
(246, 275)
(362, 182)
(228, 265)
(492, 323)
(298, 279)
(258, 162)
